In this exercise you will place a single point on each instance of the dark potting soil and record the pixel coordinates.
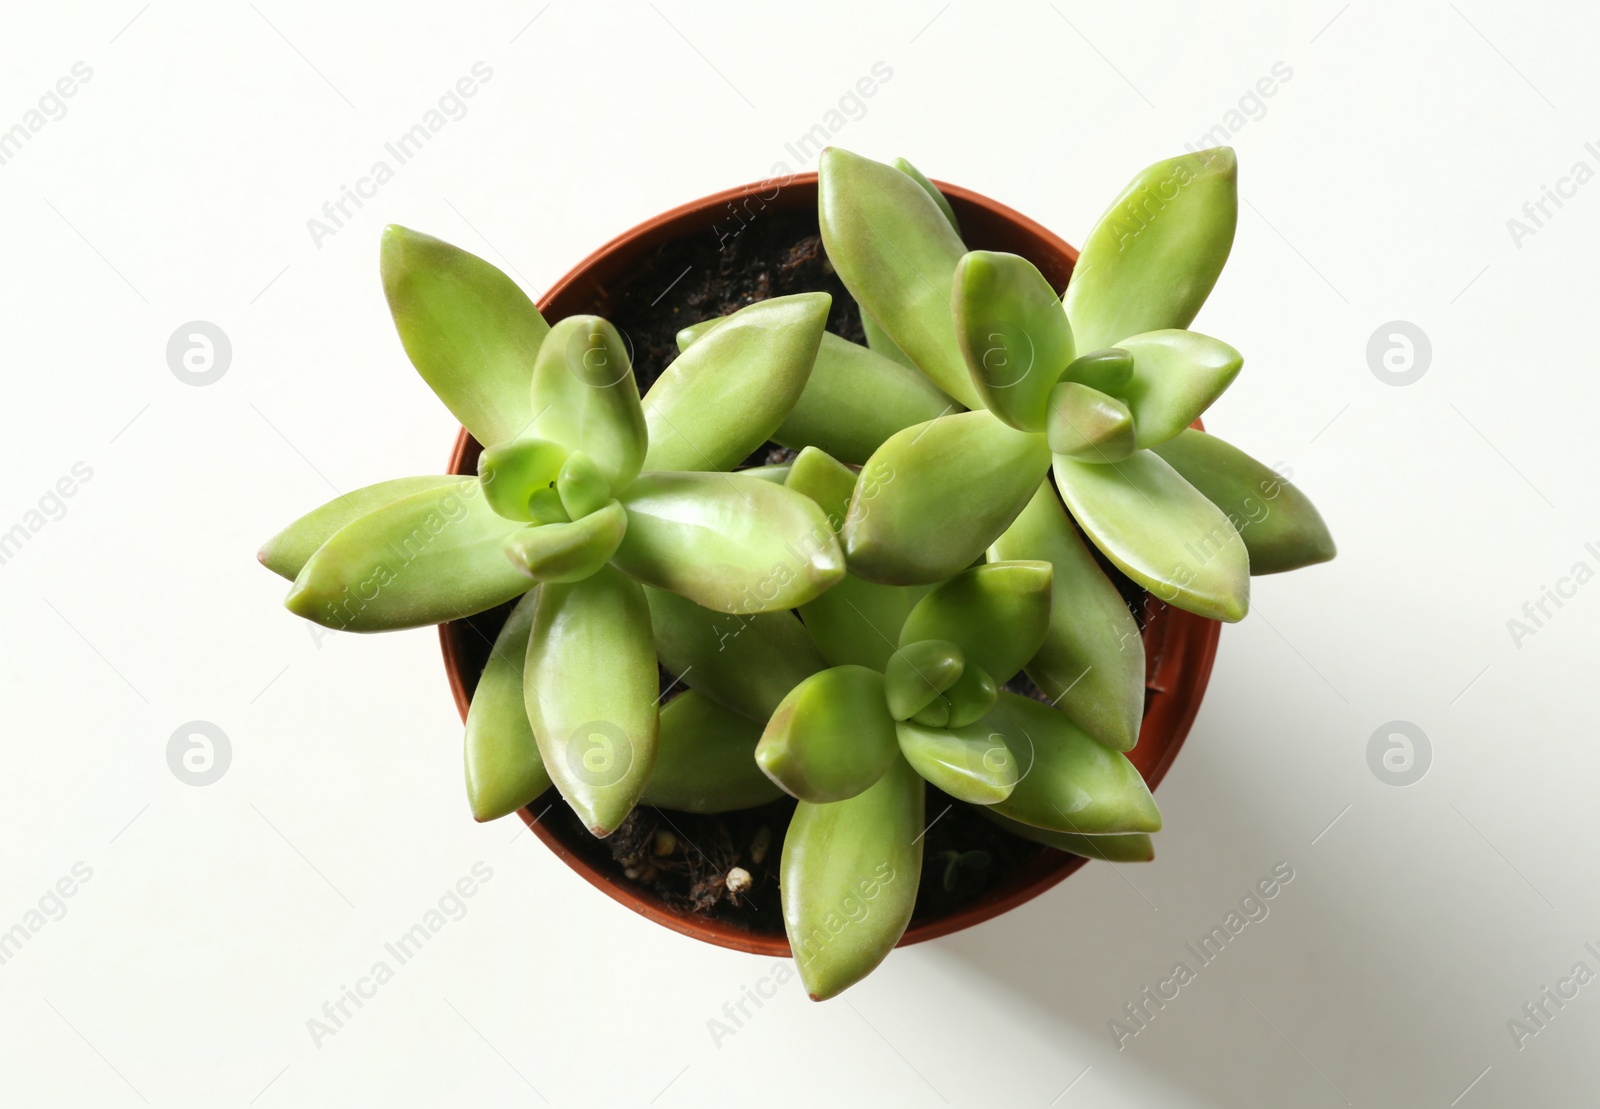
(685, 858)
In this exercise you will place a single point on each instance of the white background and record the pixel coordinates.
(1377, 186)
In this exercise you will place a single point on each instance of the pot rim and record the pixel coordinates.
(1180, 647)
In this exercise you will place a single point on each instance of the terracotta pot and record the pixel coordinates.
(1179, 646)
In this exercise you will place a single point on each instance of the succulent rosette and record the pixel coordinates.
(958, 497)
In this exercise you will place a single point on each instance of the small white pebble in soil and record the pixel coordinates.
(738, 880)
(666, 843)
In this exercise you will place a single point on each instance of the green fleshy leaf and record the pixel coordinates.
(1176, 377)
(932, 498)
(744, 663)
(878, 342)
(467, 328)
(427, 558)
(729, 542)
(969, 763)
(853, 401)
(1068, 782)
(1154, 256)
(1107, 369)
(504, 768)
(1089, 426)
(287, 552)
(568, 552)
(546, 507)
(725, 395)
(996, 613)
(705, 759)
(831, 737)
(513, 472)
(931, 189)
(1013, 333)
(1132, 847)
(894, 250)
(971, 698)
(775, 474)
(581, 486)
(1280, 526)
(849, 877)
(858, 622)
(584, 397)
(590, 686)
(1160, 531)
(1091, 664)
(918, 673)
(824, 479)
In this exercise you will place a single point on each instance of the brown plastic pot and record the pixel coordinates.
(1179, 646)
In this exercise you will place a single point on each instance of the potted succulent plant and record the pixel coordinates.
(800, 584)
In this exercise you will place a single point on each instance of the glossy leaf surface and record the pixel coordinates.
(933, 497)
(1089, 426)
(581, 486)
(858, 621)
(1280, 526)
(849, 877)
(1091, 663)
(285, 553)
(744, 663)
(1154, 256)
(831, 736)
(1107, 369)
(705, 759)
(584, 397)
(996, 613)
(568, 552)
(1160, 531)
(878, 342)
(931, 189)
(427, 558)
(918, 672)
(1176, 377)
(729, 542)
(970, 763)
(1012, 332)
(467, 328)
(1067, 782)
(504, 768)
(827, 481)
(896, 253)
(590, 688)
(854, 399)
(727, 393)
(1132, 847)
(513, 472)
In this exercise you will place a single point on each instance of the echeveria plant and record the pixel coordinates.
(846, 622)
